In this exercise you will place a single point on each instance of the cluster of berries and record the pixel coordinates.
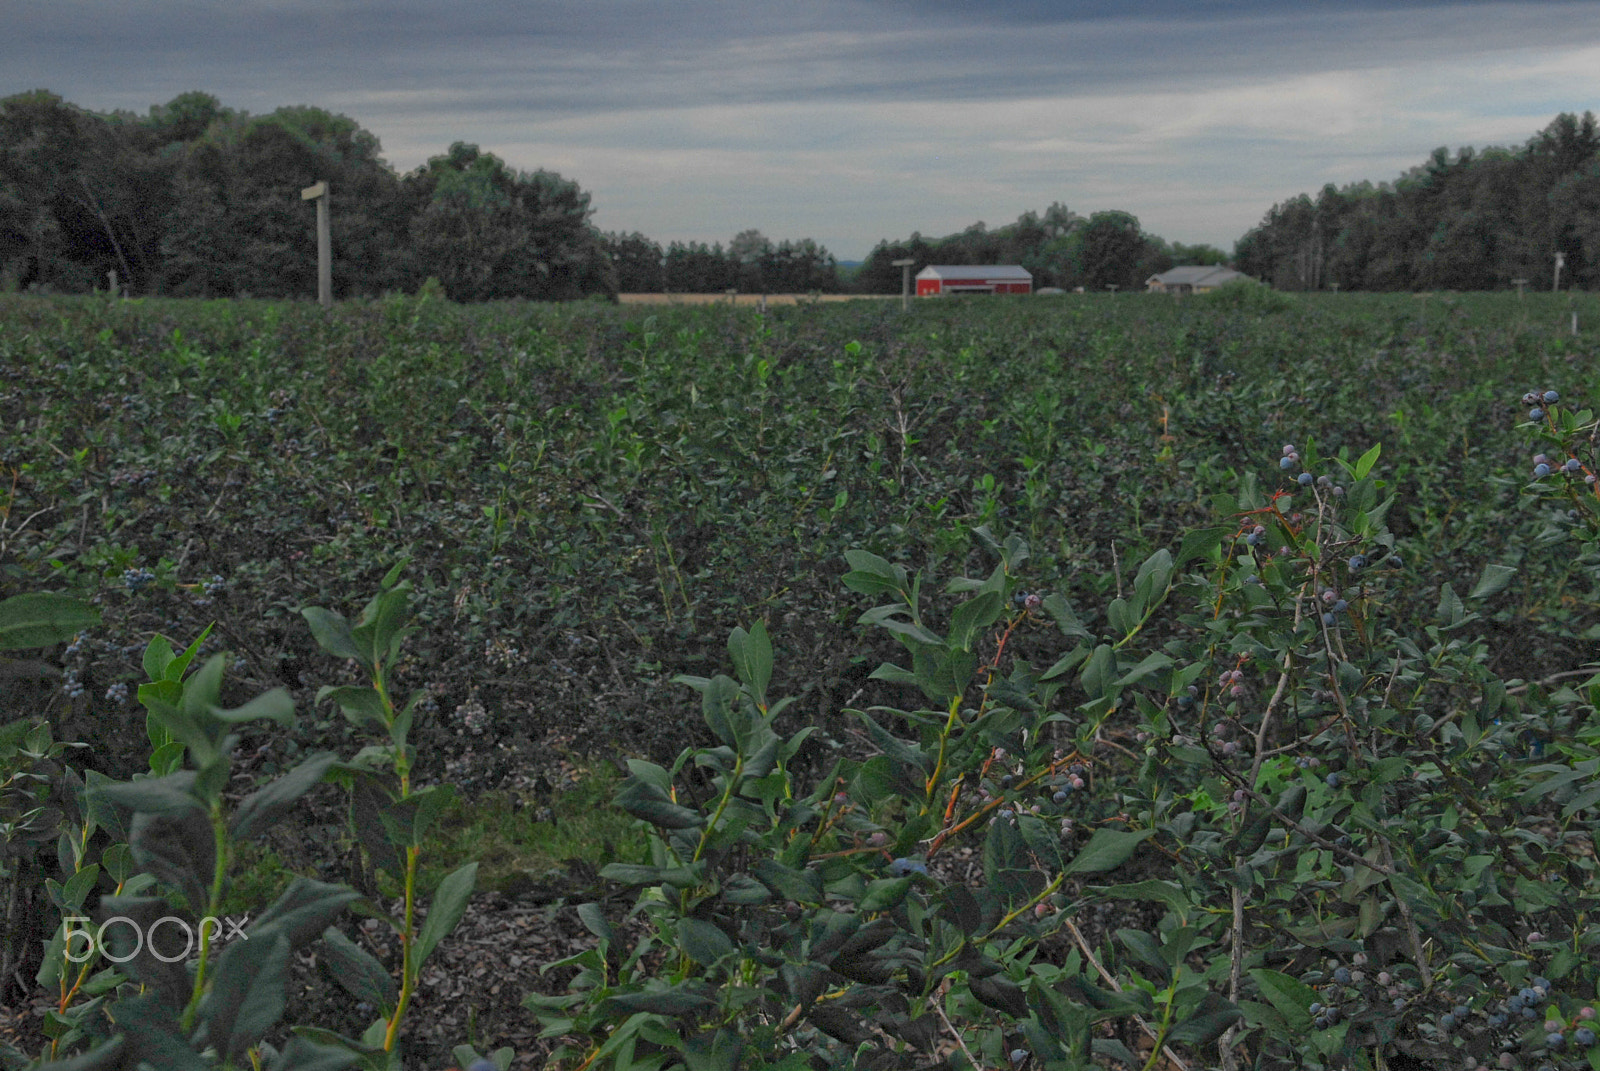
(137, 579)
(1028, 600)
(1232, 683)
(1065, 787)
(117, 693)
(473, 716)
(1334, 604)
(71, 686)
(133, 477)
(1534, 400)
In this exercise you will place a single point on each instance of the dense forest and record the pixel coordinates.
(1479, 220)
(197, 199)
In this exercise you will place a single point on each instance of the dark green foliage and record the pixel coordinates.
(1475, 221)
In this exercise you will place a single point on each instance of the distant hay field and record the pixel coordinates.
(742, 299)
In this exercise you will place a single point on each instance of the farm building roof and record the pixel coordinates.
(986, 271)
(1196, 275)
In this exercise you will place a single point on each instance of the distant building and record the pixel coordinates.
(1192, 279)
(938, 279)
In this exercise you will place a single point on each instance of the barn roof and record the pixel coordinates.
(974, 271)
(1196, 275)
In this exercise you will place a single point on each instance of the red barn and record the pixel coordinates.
(973, 279)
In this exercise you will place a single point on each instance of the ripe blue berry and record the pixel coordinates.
(1305, 479)
(1447, 1022)
(1061, 796)
(1541, 470)
(1018, 1055)
(1536, 413)
(1333, 782)
(1340, 607)
(1573, 464)
(1551, 397)
(902, 868)
(1357, 562)
(1555, 1040)
(1583, 1036)
(1286, 463)
(1329, 620)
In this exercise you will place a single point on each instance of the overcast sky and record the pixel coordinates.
(850, 121)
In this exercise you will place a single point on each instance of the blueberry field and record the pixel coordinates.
(1050, 683)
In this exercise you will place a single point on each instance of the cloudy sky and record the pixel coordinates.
(850, 121)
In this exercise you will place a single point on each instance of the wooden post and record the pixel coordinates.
(1561, 259)
(111, 280)
(319, 194)
(905, 282)
(1519, 284)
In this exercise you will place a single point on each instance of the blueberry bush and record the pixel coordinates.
(1161, 718)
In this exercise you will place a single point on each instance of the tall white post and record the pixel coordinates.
(905, 282)
(319, 194)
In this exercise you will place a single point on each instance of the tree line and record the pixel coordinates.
(197, 199)
(1472, 221)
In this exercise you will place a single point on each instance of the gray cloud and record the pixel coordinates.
(850, 120)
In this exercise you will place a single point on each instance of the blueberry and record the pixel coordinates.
(1583, 1036)
(1288, 448)
(1018, 1055)
(1333, 782)
(481, 1064)
(902, 868)
(1286, 463)
(1541, 470)
(1540, 459)
(1340, 607)
(1329, 620)
(1573, 464)
(1314, 1009)
(1341, 974)
(1551, 397)
(1252, 579)
(1357, 562)
(1530, 398)
(1555, 1040)
(1535, 413)
(1447, 1022)
(1541, 982)
(1033, 602)
(1061, 796)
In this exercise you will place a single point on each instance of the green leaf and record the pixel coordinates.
(972, 617)
(1451, 612)
(357, 972)
(752, 659)
(274, 705)
(1290, 996)
(449, 904)
(247, 993)
(676, 1001)
(332, 633)
(179, 848)
(360, 703)
(1493, 581)
(305, 1055)
(1106, 850)
(1000, 993)
(681, 877)
(42, 619)
(304, 910)
(266, 805)
(594, 920)
(1151, 663)
(157, 657)
(703, 942)
(1366, 461)
(1200, 543)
